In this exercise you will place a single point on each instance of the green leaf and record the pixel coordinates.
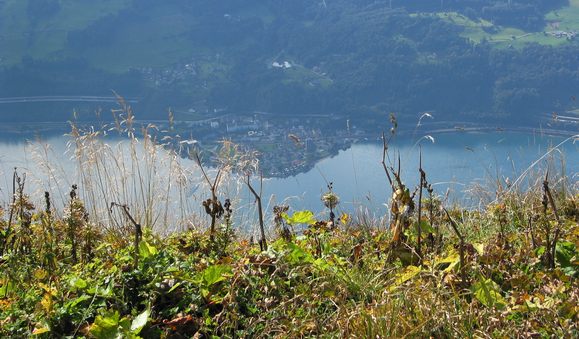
(300, 217)
(297, 255)
(108, 320)
(146, 250)
(106, 326)
(72, 304)
(216, 273)
(78, 283)
(174, 287)
(140, 321)
(322, 264)
(564, 252)
(540, 250)
(425, 227)
(488, 293)
(6, 288)
(125, 325)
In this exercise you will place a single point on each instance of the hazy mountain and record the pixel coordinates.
(472, 59)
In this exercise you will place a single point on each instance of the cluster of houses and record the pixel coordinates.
(287, 146)
(563, 34)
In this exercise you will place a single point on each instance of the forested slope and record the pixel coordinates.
(463, 59)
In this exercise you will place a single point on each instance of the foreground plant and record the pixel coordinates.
(323, 281)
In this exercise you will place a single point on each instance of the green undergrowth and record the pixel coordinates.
(67, 277)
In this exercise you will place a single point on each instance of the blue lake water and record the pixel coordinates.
(455, 164)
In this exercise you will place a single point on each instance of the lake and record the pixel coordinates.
(457, 164)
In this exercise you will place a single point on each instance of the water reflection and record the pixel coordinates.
(454, 162)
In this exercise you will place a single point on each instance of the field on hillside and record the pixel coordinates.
(43, 34)
(157, 36)
(160, 35)
(565, 19)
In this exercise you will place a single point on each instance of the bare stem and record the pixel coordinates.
(138, 231)
(418, 227)
(263, 241)
(557, 232)
(213, 207)
(461, 248)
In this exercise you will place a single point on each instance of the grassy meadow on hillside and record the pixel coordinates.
(500, 36)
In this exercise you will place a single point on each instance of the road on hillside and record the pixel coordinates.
(55, 98)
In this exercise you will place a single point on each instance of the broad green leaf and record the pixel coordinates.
(78, 283)
(216, 273)
(72, 304)
(106, 326)
(107, 291)
(125, 325)
(297, 255)
(146, 250)
(6, 288)
(540, 250)
(425, 227)
(322, 264)
(300, 217)
(488, 293)
(564, 252)
(140, 321)
(108, 320)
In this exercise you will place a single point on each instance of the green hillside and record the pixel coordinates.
(485, 58)
(39, 29)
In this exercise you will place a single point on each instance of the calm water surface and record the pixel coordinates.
(454, 163)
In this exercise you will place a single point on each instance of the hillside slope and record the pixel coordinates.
(471, 59)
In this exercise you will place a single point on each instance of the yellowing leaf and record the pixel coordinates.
(48, 289)
(40, 274)
(345, 218)
(47, 303)
(402, 277)
(41, 330)
(448, 263)
(480, 248)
